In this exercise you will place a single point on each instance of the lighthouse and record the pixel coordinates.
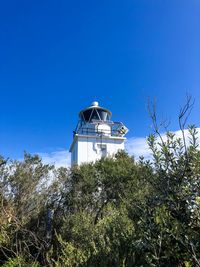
(96, 135)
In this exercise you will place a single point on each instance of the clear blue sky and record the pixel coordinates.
(57, 56)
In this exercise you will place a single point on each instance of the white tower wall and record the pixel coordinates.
(89, 148)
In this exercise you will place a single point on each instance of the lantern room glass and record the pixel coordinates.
(95, 114)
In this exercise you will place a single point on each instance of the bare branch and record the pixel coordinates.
(184, 114)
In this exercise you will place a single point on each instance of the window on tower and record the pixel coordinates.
(94, 115)
(87, 114)
(103, 115)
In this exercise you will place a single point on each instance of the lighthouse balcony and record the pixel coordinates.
(117, 129)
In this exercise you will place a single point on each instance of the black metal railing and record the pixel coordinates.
(97, 132)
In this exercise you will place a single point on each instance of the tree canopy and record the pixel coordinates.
(114, 212)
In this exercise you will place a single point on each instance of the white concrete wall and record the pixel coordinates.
(88, 149)
(74, 154)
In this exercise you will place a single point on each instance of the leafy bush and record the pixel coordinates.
(114, 212)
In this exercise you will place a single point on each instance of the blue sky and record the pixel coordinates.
(56, 57)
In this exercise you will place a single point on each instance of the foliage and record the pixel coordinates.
(114, 212)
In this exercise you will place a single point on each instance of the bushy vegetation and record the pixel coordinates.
(115, 212)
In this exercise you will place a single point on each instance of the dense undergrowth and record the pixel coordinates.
(115, 212)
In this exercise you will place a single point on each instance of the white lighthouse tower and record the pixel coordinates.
(96, 135)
